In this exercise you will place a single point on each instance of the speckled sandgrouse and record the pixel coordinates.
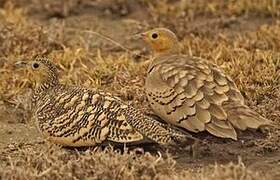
(193, 93)
(76, 116)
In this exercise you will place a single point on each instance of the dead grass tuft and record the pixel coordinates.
(240, 36)
(27, 162)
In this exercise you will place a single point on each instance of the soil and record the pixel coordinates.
(259, 150)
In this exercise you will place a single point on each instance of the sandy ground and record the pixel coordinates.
(120, 20)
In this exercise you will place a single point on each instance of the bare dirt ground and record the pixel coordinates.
(242, 36)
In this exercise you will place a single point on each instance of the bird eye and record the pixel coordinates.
(154, 35)
(35, 65)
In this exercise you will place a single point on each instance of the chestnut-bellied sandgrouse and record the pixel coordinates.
(193, 93)
(76, 116)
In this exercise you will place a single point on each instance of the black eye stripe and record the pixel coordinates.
(154, 35)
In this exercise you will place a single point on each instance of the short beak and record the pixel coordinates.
(139, 36)
(20, 64)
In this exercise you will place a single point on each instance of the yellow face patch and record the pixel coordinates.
(160, 40)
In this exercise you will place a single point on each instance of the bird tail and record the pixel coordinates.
(155, 130)
(242, 117)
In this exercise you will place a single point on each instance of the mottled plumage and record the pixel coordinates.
(76, 116)
(192, 93)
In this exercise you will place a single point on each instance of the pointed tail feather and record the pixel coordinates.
(153, 129)
(242, 117)
(218, 131)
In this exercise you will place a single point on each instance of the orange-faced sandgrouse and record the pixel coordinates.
(76, 116)
(193, 93)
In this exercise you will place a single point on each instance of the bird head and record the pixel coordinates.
(162, 41)
(41, 69)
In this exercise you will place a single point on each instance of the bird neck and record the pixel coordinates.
(167, 52)
(46, 84)
(164, 56)
(168, 48)
(43, 86)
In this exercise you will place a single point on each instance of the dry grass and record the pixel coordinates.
(237, 55)
(215, 8)
(27, 162)
(241, 36)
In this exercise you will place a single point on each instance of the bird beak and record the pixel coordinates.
(139, 36)
(20, 64)
(143, 35)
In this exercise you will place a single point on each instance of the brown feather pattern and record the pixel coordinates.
(194, 94)
(76, 116)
